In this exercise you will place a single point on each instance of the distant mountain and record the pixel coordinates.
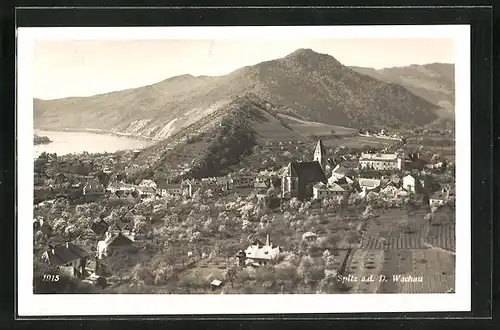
(434, 82)
(305, 84)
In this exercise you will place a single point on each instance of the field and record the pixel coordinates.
(318, 129)
(386, 249)
(391, 251)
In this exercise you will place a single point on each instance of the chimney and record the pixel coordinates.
(51, 247)
(67, 244)
(267, 240)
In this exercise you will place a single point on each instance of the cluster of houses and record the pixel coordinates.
(87, 187)
(320, 178)
(323, 178)
(240, 182)
(382, 135)
(74, 261)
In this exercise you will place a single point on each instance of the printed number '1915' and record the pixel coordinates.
(50, 278)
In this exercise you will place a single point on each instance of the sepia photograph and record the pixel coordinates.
(328, 164)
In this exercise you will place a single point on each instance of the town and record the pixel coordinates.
(293, 228)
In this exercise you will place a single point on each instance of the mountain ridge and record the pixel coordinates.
(434, 82)
(306, 84)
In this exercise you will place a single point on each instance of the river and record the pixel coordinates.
(77, 142)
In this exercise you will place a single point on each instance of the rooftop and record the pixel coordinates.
(62, 254)
(369, 183)
(379, 157)
(341, 170)
(308, 171)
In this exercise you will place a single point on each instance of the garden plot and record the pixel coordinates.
(437, 269)
(363, 264)
(385, 233)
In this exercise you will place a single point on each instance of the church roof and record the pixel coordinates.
(320, 147)
(307, 171)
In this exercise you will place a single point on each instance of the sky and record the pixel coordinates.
(64, 68)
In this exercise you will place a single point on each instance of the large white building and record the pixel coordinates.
(259, 253)
(382, 162)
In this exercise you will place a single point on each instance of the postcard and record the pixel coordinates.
(243, 170)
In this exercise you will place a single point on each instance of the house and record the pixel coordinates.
(69, 257)
(148, 183)
(395, 182)
(309, 236)
(60, 178)
(96, 280)
(449, 189)
(265, 178)
(36, 225)
(381, 161)
(321, 191)
(119, 240)
(298, 179)
(441, 197)
(93, 189)
(131, 197)
(107, 170)
(438, 198)
(349, 162)
(120, 186)
(94, 267)
(417, 183)
(340, 172)
(368, 184)
(241, 180)
(215, 284)
(164, 188)
(128, 197)
(410, 183)
(99, 227)
(121, 226)
(146, 191)
(417, 160)
(223, 182)
(189, 187)
(172, 189)
(260, 254)
(262, 186)
(46, 229)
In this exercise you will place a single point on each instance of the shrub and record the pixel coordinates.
(142, 275)
(314, 250)
(162, 273)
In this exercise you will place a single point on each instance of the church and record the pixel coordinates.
(299, 178)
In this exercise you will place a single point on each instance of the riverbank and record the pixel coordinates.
(74, 142)
(99, 131)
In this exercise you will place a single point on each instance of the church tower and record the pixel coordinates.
(320, 154)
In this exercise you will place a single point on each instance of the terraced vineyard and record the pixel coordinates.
(442, 236)
(404, 241)
(388, 249)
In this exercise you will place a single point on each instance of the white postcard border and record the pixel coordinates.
(137, 304)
